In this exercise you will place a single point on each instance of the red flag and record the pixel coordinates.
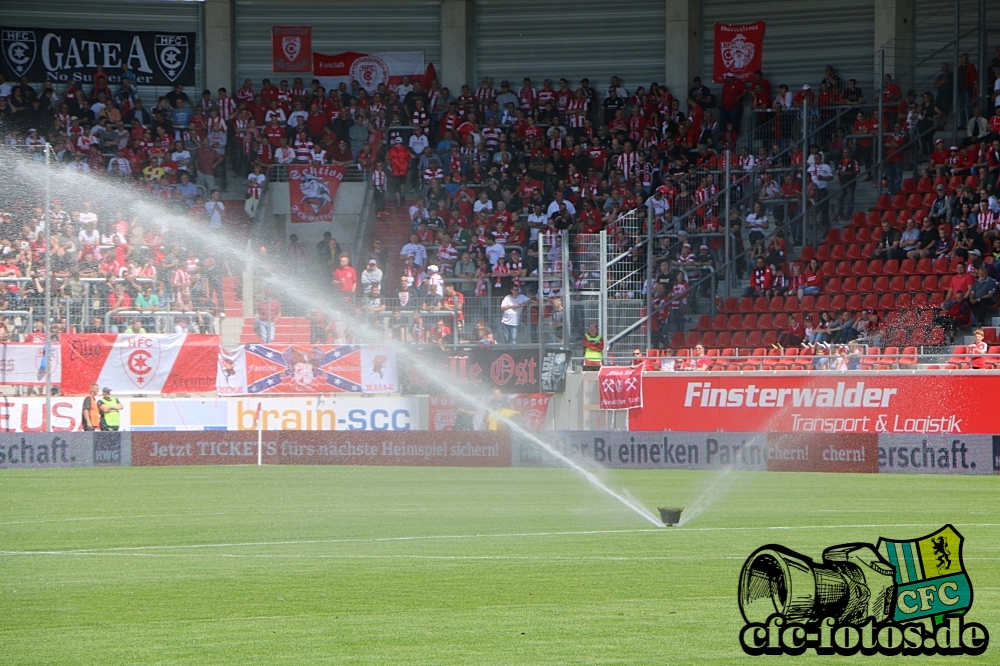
(739, 49)
(621, 387)
(312, 189)
(291, 48)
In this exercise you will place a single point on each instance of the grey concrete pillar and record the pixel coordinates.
(684, 43)
(458, 29)
(219, 31)
(895, 31)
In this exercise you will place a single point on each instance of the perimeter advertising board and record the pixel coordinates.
(924, 404)
(65, 449)
(412, 448)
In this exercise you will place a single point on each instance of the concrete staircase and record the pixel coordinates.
(238, 330)
(393, 230)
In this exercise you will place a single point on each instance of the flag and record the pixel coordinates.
(369, 70)
(621, 387)
(739, 49)
(291, 48)
(312, 189)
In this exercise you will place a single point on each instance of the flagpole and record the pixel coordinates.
(260, 438)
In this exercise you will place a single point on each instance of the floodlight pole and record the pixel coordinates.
(47, 348)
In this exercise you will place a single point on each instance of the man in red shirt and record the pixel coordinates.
(731, 110)
(399, 165)
(761, 279)
(961, 282)
(895, 145)
(345, 279)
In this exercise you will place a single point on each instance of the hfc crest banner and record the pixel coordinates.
(291, 48)
(370, 70)
(72, 55)
(739, 49)
(930, 575)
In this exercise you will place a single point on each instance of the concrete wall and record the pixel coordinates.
(895, 30)
(683, 45)
(218, 45)
(347, 209)
(457, 29)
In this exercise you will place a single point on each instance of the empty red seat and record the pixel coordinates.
(754, 339)
(940, 266)
(823, 252)
(863, 235)
(914, 201)
(780, 320)
(844, 268)
(890, 267)
(749, 322)
(881, 284)
(871, 301)
(708, 340)
(924, 265)
(902, 301)
(838, 253)
(872, 219)
(898, 283)
(858, 220)
(959, 356)
(770, 337)
(914, 282)
(719, 321)
(823, 302)
(764, 321)
(936, 300)
(704, 322)
(848, 235)
(724, 339)
(735, 321)
(833, 236)
(739, 339)
(924, 185)
(930, 283)
(953, 183)
(853, 302)
(854, 253)
(792, 304)
(760, 304)
(898, 201)
(919, 300)
(834, 285)
(851, 285)
(838, 302)
(677, 341)
(746, 304)
(808, 303)
(887, 301)
(808, 252)
(692, 338)
(874, 267)
(884, 202)
(777, 304)
(972, 181)
(909, 356)
(908, 267)
(936, 336)
(731, 304)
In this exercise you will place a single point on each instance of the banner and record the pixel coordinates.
(531, 410)
(140, 363)
(739, 49)
(75, 449)
(483, 369)
(936, 454)
(327, 413)
(307, 369)
(620, 387)
(291, 48)
(24, 364)
(820, 403)
(369, 70)
(63, 55)
(312, 189)
(455, 449)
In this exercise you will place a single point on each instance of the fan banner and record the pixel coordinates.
(64, 55)
(291, 48)
(621, 387)
(483, 369)
(739, 50)
(307, 369)
(312, 189)
(530, 408)
(370, 70)
(150, 364)
(24, 364)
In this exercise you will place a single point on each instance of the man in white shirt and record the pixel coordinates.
(537, 221)
(821, 174)
(511, 307)
(494, 250)
(559, 199)
(659, 203)
(416, 250)
(418, 141)
(181, 156)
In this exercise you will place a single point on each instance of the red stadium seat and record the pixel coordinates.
(936, 299)
(792, 304)
(759, 352)
(838, 302)
(854, 302)
(692, 338)
(791, 351)
(908, 267)
(731, 304)
(808, 252)
(913, 201)
(724, 339)
(851, 286)
(764, 321)
(959, 358)
(903, 301)
(859, 220)
(848, 235)
(972, 181)
(781, 321)
(909, 185)
(873, 218)
(808, 303)
(936, 336)
(844, 268)
(749, 322)
(924, 265)
(887, 301)
(829, 268)
(833, 236)
(930, 283)
(870, 301)
(823, 252)
(953, 183)
(770, 337)
(884, 202)
(735, 321)
(704, 322)
(863, 235)
(941, 266)
(925, 185)
(909, 356)
(919, 300)
(881, 284)
(898, 201)
(823, 302)
(777, 304)
(834, 285)
(739, 339)
(838, 253)
(890, 267)
(874, 267)
(760, 304)
(854, 253)
(709, 341)
(754, 338)
(746, 304)
(719, 322)
(898, 283)
(677, 341)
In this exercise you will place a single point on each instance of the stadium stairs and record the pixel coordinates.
(288, 330)
(393, 229)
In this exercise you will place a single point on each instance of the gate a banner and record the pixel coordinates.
(69, 54)
(739, 50)
(370, 70)
(312, 190)
(620, 387)
(24, 364)
(291, 48)
(307, 369)
(149, 364)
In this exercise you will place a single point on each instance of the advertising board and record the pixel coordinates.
(445, 449)
(65, 449)
(819, 403)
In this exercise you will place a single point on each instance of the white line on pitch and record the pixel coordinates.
(257, 544)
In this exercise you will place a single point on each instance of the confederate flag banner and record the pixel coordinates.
(312, 189)
(291, 48)
(739, 49)
(621, 387)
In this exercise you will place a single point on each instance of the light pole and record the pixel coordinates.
(47, 348)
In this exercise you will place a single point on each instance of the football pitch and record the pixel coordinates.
(380, 565)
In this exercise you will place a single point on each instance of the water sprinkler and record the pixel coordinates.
(670, 517)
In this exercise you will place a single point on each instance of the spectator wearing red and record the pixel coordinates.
(345, 279)
(979, 351)
(399, 164)
(761, 279)
(793, 335)
(961, 282)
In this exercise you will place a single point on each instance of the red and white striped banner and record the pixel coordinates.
(140, 363)
(369, 69)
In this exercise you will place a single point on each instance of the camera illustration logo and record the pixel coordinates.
(896, 597)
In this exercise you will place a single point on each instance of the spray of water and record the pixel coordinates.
(84, 186)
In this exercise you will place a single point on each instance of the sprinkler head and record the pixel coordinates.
(670, 517)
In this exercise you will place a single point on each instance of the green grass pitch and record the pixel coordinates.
(368, 565)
